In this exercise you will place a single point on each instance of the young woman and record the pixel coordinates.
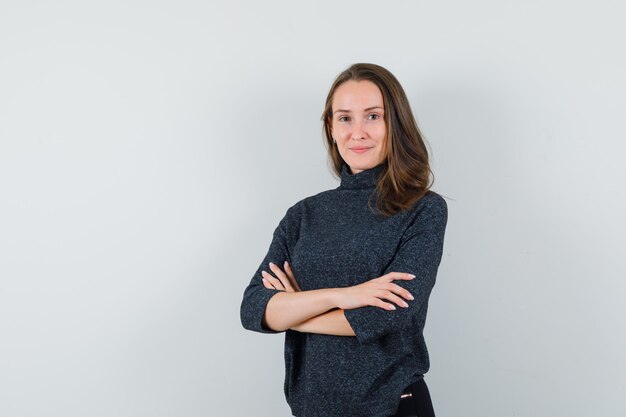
(349, 270)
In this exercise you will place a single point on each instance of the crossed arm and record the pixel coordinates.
(363, 310)
(320, 311)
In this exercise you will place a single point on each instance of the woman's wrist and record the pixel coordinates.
(334, 296)
(328, 298)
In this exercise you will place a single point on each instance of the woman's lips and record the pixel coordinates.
(360, 150)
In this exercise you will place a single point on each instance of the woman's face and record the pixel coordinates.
(358, 124)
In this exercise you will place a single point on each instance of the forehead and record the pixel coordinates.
(357, 95)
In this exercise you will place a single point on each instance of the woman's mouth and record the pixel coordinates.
(360, 150)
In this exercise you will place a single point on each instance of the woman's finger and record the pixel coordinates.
(388, 295)
(400, 291)
(267, 285)
(397, 275)
(291, 276)
(284, 280)
(395, 289)
(276, 283)
(380, 303)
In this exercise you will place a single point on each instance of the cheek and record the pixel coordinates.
(340, 132)
(381, 131)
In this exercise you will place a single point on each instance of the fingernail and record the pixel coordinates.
(405, 304)
(271, 263)
(411, 297)
(412, 276)
(393, 307)
(286, 263)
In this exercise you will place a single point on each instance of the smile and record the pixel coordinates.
(360, 150)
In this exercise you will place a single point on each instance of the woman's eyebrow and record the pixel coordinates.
(350, 111)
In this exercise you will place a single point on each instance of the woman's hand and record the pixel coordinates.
(374, 291)
(285, 281)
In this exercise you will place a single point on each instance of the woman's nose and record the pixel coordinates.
(358, 130)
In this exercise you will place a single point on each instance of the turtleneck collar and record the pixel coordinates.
(364, 179)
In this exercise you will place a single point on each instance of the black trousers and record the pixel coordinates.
(417, 403)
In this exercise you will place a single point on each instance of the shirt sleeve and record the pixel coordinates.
(256, 296)
(419, 253)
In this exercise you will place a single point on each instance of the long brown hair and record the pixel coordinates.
(407, 175)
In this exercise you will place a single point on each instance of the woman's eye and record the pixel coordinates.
(374, 117)
(343, 119)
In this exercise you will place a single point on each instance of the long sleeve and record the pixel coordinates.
(256, 296)
(419, 253)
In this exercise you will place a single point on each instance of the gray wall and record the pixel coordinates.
(148, 150)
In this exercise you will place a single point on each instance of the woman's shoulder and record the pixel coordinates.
(321, 197)
(431, 204)
(434, 199)
(315, 199)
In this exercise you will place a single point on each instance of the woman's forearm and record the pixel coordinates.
(332, 322)
(286, 309)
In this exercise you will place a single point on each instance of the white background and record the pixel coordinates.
(148, 150)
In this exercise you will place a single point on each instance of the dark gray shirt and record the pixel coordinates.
(332, 239)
